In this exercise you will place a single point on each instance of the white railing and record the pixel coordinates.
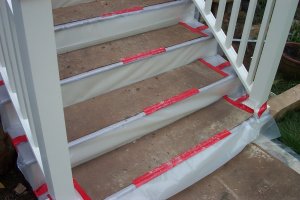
(30, 71)
(274, 29)
(28, 65)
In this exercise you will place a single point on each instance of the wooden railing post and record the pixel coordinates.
(35, 33)
(279, 28)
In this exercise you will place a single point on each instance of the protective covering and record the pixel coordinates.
(212, 156)
(88, 32)
(107, 139)
(99, 81)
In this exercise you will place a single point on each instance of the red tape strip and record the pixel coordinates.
(223, 65)
(18, 140)
(215, 68)
(41, 190)
(151, 109)
(127, 10)
(238, 103)
(198, 30)
(2, 83)
(262, 109)
(179, 159)
(79, 189)
(143, 55)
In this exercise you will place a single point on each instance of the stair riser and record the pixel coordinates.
(87, 148)
(94, 31)
(85, 86)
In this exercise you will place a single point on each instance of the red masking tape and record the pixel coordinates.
(151, 109)
(41, 190)
(2, 83)
(179, 159)
(198, 29)
(223, 65)
(215, 68)
(143, 55)
(81, 191)
(238, 104)
(119, 12)
(262, 109)
(18, 140)
(49, 197)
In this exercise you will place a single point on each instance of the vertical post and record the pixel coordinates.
(279, 28)
(35, 32)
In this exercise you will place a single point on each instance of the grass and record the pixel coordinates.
(281, 84)
(289, 127)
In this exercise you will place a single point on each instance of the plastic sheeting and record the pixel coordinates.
(100, 142)
(88, 32)
(99, 81)
(198, 166)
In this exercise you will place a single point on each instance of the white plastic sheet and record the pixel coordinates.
(99, 81)
(198, 166)
(88, 32)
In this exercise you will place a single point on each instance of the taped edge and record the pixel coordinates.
(199, 30)
(217, 68)
(2, 83)
(43, 189)
(180, 97)
(143, 55)
(180, 158)
(18, 140)
(123, 11)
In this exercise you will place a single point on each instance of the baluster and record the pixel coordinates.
(232, 23)
(208, 4)
(246, 32)
(260, 40)
(220, 14)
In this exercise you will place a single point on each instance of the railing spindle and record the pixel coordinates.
(232, 22)
(260, 40)
(220, 14)
(208, 4)
(5, 45)
(246, 32)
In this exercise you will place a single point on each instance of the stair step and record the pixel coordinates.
(97, 8)
(126, 102)
(84, 60)
(116, 170)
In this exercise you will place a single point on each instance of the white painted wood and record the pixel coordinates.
(208, 4)
(221, 38)
(260, 40)
(38, 52)
(16, 62)
(279, 28)
(232, 22)
(246, 32)
(5, 45)
(220, 14)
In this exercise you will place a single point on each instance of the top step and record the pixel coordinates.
(99, 8)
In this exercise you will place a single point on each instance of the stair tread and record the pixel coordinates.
(83, 60)
(253, 174)
(115, 170)
(99, 112)
(97, 8)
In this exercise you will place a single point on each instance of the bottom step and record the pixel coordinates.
(116, 170)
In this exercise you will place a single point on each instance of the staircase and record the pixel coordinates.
(150, 102)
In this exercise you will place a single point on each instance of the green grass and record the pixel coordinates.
(289, 127)
(281, 84)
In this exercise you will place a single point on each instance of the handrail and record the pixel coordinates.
(276, 10)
